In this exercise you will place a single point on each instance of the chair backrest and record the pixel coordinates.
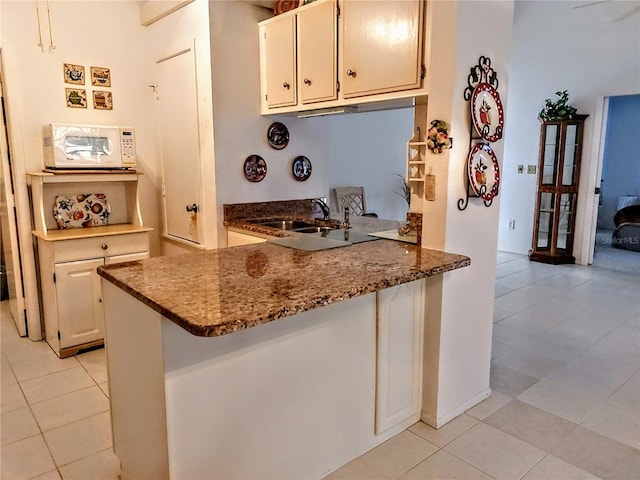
(352, 197)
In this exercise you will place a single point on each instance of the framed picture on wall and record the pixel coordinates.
(76, 97)
(73, 74)
(102, 100)
(100, 77)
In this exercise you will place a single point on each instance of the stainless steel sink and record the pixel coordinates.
(283, 224)
(313, 229)
(298, 226)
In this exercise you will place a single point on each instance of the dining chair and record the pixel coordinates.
(352, 197)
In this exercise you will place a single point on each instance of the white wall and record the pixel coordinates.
(592, 52)
(240, 130)
(35, 92)
(369, 149)
(82, 41)
(460, 304)
(358, 149)
(188, 28)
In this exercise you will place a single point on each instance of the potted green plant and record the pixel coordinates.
(557, 110)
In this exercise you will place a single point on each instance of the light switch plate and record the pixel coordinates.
(520, 168)
(531, 169)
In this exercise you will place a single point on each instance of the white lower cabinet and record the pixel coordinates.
(68, 258)
(71, 288)
(79, 297)
(235, 239)
(79, 302)
(399, 358)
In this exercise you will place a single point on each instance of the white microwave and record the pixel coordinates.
(88, 146)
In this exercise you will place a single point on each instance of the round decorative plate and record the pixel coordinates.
(487, 112)
(278, 135)
(483, 171)
(301, 168)
(255, 168)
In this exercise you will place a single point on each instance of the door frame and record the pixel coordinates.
(592, 200)
(13, 264)
(11, 93)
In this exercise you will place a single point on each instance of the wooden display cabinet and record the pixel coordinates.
(558, 181)
(71, 295)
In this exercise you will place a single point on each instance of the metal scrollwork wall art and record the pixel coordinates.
(486, 119)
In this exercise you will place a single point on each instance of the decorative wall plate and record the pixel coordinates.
(278, 135)
(487, 112)
(81, 210)
(301, 168)
(255, 168)
(483, 171)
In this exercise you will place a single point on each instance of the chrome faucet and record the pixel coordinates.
(324, 207)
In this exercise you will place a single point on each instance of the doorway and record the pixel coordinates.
(620, 173)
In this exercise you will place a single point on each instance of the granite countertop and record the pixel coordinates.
(223, 291)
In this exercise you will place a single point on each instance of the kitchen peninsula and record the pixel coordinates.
(262, 361)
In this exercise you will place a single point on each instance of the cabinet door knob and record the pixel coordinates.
(307, 81)
(286, 85)
(351, 73)
(104, 246)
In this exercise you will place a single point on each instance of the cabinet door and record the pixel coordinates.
(317, 52)
(400, 312)
(279, 49)
(79, 295)
(382, 46)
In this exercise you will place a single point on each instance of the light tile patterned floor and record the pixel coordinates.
(565, 378)
(565, 403)
(54, 419)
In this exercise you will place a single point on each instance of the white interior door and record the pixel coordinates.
(10, 243)
(178, 120)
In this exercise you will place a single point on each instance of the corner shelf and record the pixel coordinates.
(416, 152)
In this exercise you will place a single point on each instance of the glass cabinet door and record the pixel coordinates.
(550, 159)
(569, 163)
(545, 220)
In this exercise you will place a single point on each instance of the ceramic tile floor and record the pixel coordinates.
(565, 378)
(565, 403)
(54, 416)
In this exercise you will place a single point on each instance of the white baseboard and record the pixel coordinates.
(441, 420)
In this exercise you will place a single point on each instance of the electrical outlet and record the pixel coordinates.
(520, 168)
(531, 169)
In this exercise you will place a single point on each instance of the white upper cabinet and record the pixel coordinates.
(381, 46)
(317, 53)
(333, 53)
(278, 44)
